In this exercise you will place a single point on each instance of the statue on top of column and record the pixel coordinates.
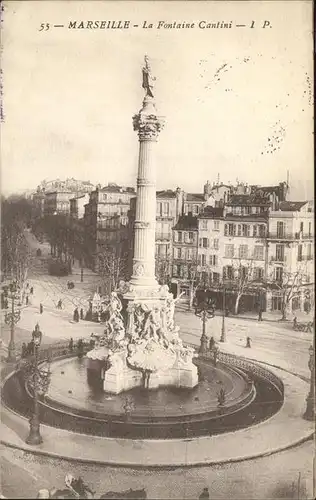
(148, 78)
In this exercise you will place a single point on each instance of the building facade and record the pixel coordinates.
(291, 256)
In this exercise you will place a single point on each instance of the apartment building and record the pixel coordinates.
(185, 254)
(291, 254)
(106, 218)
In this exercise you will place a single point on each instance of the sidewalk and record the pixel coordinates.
(284, 430)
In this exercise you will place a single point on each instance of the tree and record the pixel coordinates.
(112, 266)
(290, 287)
(15, 251)
(163, 268)
(194, 282)
(241, 274)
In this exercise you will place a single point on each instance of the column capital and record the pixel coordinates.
(148, 126)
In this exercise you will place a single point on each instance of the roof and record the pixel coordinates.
(166, 193)
(114, 188)
(78, 197)
(195, 197)
(186, 222)
(291, 206)
(212, 213)
(247, 199)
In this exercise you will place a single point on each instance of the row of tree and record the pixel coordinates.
(16, 216)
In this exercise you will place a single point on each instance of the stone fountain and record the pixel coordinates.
(146, 351)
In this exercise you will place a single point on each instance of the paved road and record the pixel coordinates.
(266, 478)
(23, 474)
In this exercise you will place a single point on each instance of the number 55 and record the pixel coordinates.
(44, 27)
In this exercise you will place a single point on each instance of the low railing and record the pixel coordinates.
(249, 366)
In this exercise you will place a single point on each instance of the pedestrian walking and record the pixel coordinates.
(59, 304)
(205, 494)
(27, 300)
(248, 343)
(260, 314)
(31, 290)
(24, 350)
(76, 315)
(212, 343)
(80, 348)
(71, 344)
(41, 308)
(81, 314)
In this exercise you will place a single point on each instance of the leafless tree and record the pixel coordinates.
(15, 250)
(290, 287)
(112, 266)
(241, 275)
(163, 268)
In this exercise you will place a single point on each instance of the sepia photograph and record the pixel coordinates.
(157, 250)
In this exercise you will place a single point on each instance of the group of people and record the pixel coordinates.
(77, 315)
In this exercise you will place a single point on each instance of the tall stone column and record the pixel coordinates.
(148, 126)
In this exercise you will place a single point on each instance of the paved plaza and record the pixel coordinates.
(284, 352)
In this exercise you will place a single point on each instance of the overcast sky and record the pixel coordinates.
(237, 101)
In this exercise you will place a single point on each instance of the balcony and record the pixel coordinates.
(289, 236)
(163, 236)
(280, 260)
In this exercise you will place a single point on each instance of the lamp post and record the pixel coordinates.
(223, 333)
(205, 309)
(11, 318)
(310, 400)
(38, 382)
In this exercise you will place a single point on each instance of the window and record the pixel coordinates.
(230, 230)
(309, 229)
(216, 277)
(204, 224)
(189, 253)
(239, 230)
(166, 209)
(174, 270)
(203, 260)
(190, 236)
(179, 236)
(213, 260)
(280, 229)
(258, 252)
(216, 244)
(276, 303)
(216, 225)
(254, 231)
(243, 251)
(279, 253)
(309, 251)
(229, 251)
(245, 230)
(104, 197)
(279, 274)
(258, 273)
(302, 227)
(178, 253)
(159, 208)
(299, 252)
(262, 230)
(204, 242)
(228, 272)
(186, 208)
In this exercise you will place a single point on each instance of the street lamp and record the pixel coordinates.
(205, 309)
(38, 382)
(11, 318)
(310, 400)
(223, 333)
